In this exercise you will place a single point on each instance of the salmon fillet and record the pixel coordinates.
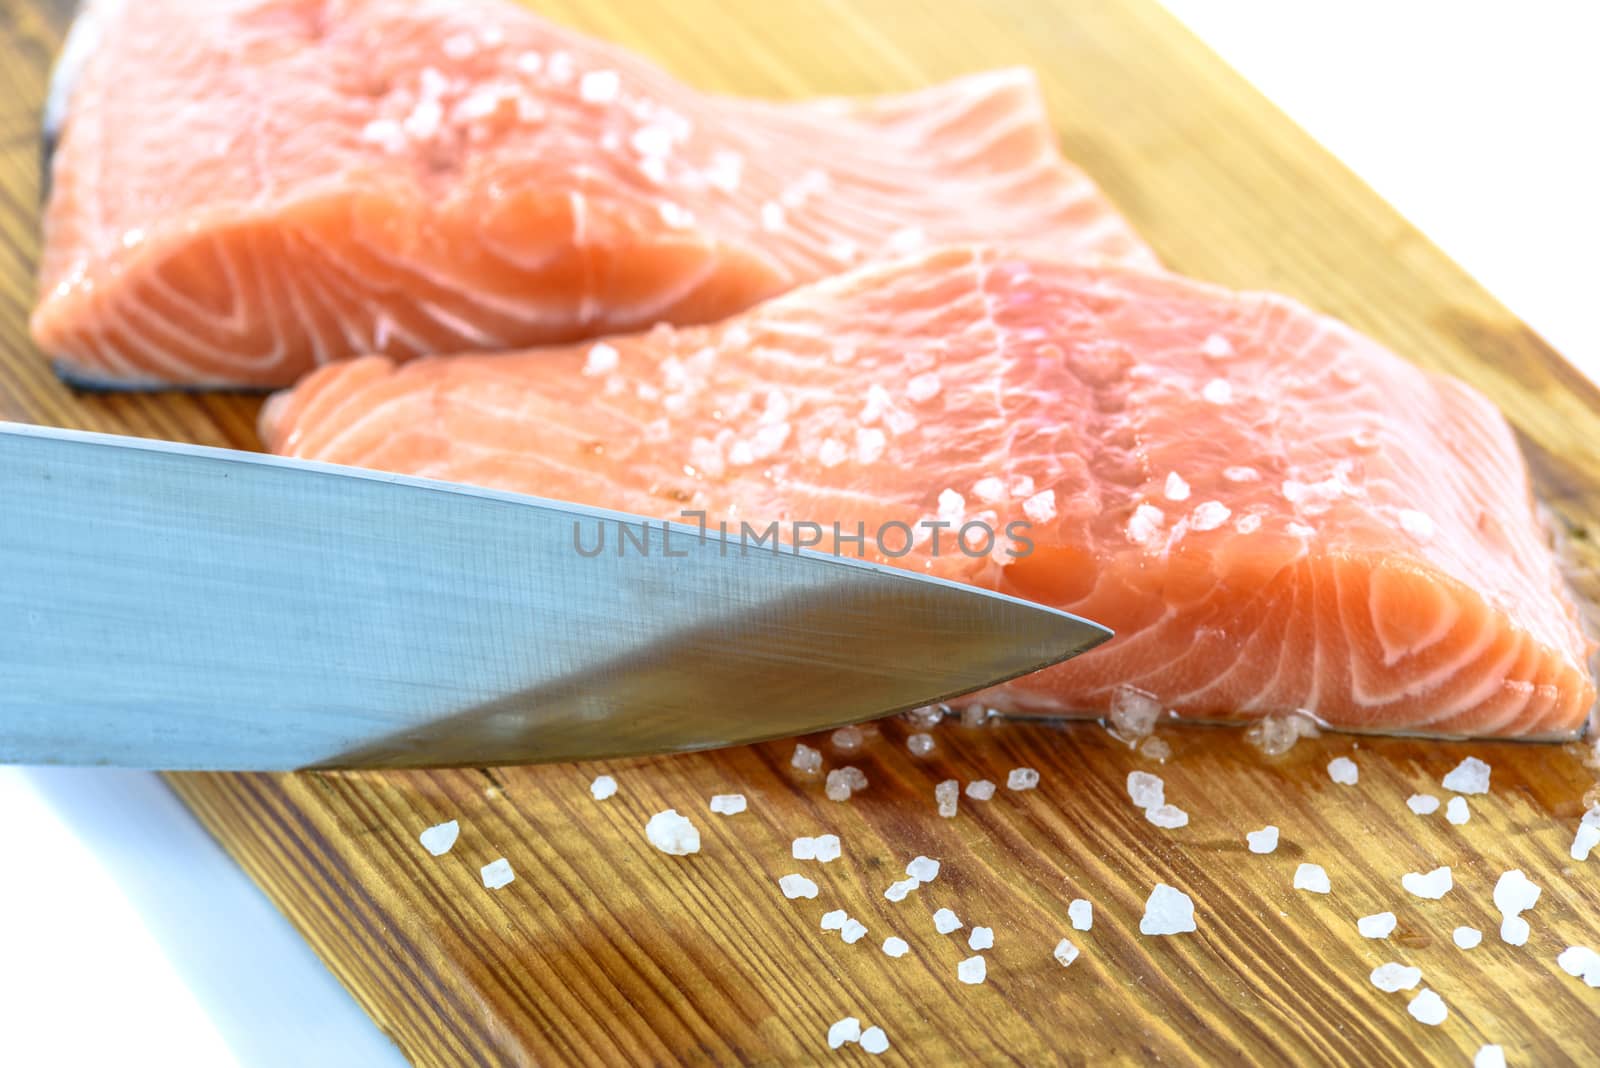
(1273, 512)
(246, 189)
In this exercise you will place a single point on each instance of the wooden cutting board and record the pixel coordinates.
(604, 951)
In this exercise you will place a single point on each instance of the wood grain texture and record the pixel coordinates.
(604, 951)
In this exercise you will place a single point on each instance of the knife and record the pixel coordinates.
(180, 607)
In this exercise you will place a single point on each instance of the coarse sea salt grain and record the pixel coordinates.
(1457, 812)
(923, 869)
(1156, 749)
(1466, 937)
(972, 971)
(898, 890)
(1580, 962)
(1489, 1056)
(1343, 771)
(1022, 779)
(598, 87)
(1515, 893)
(1168, 817)
(803, 848)
(1419, 525)
(601, 360)
(1143, 524)
(1216, 346)
(1276, 735)
(895, 946)
(945, 921)
(853, 931)
(1176, 489)
(981, 938)
(923, 387)
(1081, 913)
(1217, 391)
(1584, 841)
(980, 789)
(989, 490)
(847, 738)
(496, 873)
(947, 796)
(840, 784)
(1378, 925)
(1209, 516)
(806, 759)
(834, 919)
(1423, 804)
(1133, 713)
(1428, 1007)
(1168, 911)
(1393, 977)
(1263, 841)
(1146, 790)
(794, 886)
(1471, 776)
(919, 744)
(728, 804)
(672, 834)
(1312, 877)
(874, 1041)
(846, 1030)
(440, 837)
(1514, 931)
(1065, 953)
(827, 847)
(1041, 507)
(603, 787)
(1433, 885)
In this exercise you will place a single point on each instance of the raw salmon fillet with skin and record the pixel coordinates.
(246, 189)
(1272, 511)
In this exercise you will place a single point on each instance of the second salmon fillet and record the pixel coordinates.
(1273, 512)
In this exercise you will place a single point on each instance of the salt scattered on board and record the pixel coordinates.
(1393, 977)
(806, 759)
(1312, 877)
(497, 873)
(1515, 893)
(1022, 779)
(794, 886)
(834, 919)
(895, 946)
(980, 789)
(1489, 1056)
(1457, 812)
(1169, 817)
(440, 837)
(1434, 885)
(1378, 925)
(672, 834)
(1580, 962)
(847, 738)
(874, 1041)
(972, 971)
(1584, 841)
(803, 848)
(1168, 911)
(1343, 771)
(948, 796)
(1133, 713)
(1471, 776)
(1423, 804)
(920, 744)
(827, 847)
(728, 804)
(1065, 952)
(604, 786)
(846, 1030)
(981, 938)
(1466, 937)
(923, 869)
(945, 921)
(1263, 841)
(1428, 1007)
(1081, 913)
(1514, 931)
(898, 890)
(1146, 790)
(852, 931)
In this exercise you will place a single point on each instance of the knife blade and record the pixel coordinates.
(181, 607)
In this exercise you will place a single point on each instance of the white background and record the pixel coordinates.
(132, 939)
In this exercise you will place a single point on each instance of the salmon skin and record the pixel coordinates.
(242, 190)
(1272, 512)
